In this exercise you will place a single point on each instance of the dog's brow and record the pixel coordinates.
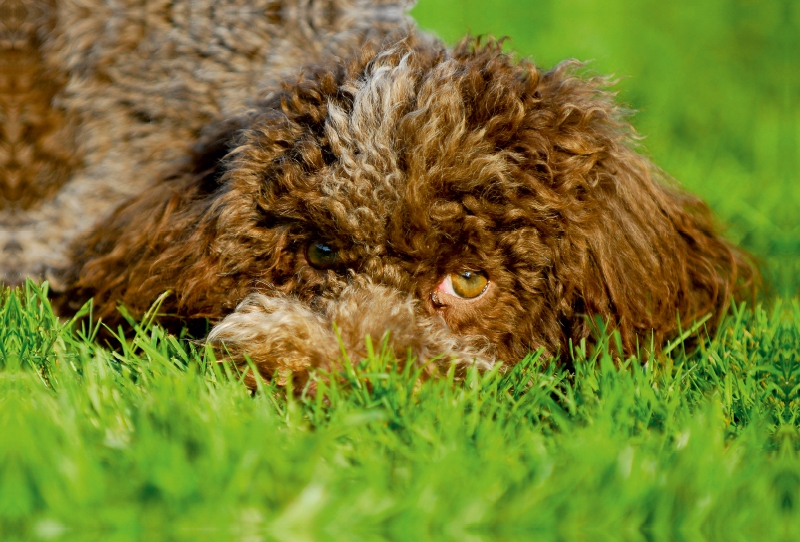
(270, 220)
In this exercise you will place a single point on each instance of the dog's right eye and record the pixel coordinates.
(321, 255)
(466, 285)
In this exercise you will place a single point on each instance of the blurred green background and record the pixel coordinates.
(715, 85)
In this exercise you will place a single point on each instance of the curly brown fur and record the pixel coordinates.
(98, 97)
(416, 162)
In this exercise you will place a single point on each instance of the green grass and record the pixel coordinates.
(157, 441)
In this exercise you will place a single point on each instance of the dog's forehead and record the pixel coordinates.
(401, 141)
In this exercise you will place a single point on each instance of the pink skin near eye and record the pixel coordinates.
(446, 286)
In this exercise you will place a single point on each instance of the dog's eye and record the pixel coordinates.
(321, 255)
(466, 285)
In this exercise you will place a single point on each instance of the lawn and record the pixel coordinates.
(154, 440)
(158, 442)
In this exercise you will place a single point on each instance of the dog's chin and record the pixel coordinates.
(280, 336)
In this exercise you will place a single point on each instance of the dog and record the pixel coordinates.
(460, 205)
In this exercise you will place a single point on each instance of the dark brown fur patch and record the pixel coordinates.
(37, 151)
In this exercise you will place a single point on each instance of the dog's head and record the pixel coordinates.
(508, 201)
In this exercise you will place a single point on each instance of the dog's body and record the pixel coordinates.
(474, 207)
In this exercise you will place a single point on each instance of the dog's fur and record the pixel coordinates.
(98, 97)
(415, 162)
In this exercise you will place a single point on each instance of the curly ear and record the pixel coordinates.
(635, 248)
(156, 241)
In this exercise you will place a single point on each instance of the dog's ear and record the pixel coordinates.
(152, 243)
(632, 246)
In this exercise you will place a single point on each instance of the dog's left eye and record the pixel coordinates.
(321, 255)
(466, 285)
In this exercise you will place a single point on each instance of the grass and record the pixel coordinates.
(155, 440)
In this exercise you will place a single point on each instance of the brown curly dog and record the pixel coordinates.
(473, 206)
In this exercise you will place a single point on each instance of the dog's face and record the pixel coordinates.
(412, 172)
(506, 203)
